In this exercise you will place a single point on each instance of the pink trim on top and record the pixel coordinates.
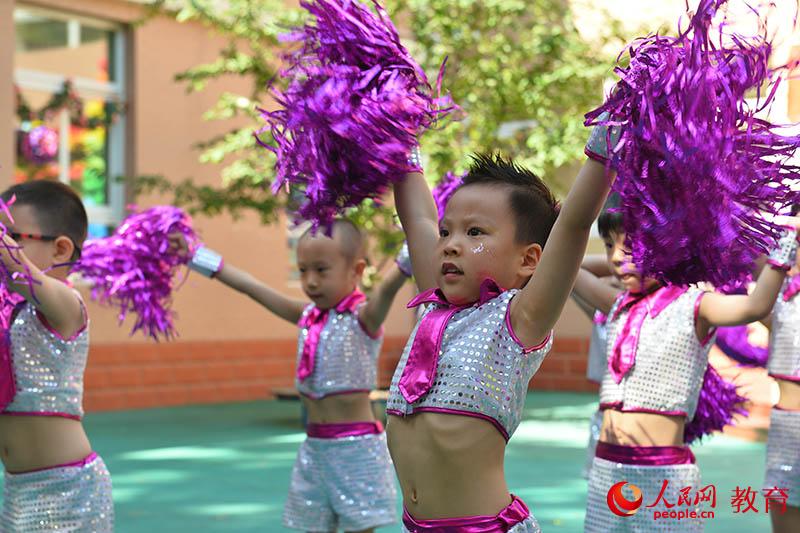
(51, 329)
(793, 379)
(711, 330)
(596, 157)
(619, 406)
(778, 266)
(456, 412)
(42, 413)
(516, 339)
(342, 430)
(80, 463)
(503, 521)
(335, 393)
(645, 455)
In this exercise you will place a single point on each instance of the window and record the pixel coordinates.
(69, 76)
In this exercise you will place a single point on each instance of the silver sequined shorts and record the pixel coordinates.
(73, 498)
(649, 479)
(783, 454)
(345, 483)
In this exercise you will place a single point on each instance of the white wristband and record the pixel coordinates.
(206, 262)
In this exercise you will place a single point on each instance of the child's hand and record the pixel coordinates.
(178, 244)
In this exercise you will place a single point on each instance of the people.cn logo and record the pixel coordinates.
(619, 504)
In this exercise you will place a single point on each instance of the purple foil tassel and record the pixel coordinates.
(134, 269)
(716, 406)
(696, 168)
(355, 103)
(445, 189)
(733, 341)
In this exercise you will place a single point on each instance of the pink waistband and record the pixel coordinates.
(347, 429)
(42, 413)
(620, 406)
(794, 379)
(74, 464)
(645, 455)
(515, 513)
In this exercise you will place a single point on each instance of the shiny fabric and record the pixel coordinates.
(63, 498)
(645, 455)
(649, 479)
(784, 339)
(483, 370)
(345, 484)
(515, 518)
(423, 358)
(670, 361)
(595, 425)
(783, 454)
(598, 351)
(48, 369)
(637, 307)
(347, 429)
(344, 355)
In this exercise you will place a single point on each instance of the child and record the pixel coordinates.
(343, 474)
(658, 343)
(53, 479)
(783, 442)
(494, 295)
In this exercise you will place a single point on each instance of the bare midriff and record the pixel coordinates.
(642, 429)
(35, 442)
(790, 394)
(339, 408)
(449, 465)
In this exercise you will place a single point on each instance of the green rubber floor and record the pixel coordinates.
(226, 467)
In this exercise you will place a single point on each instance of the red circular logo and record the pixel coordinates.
(619, 504)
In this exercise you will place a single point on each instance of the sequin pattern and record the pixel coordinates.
(48, 369)
(346, 483)
(598, 353)
(784, 341)
(69, 498)
(482, 369)
(346, 357)
(783, 454)
(670, 361)
(604, 474)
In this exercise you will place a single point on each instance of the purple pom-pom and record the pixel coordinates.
(445, 189)
(716, 406)
(696, 168)
(134, 268)
(734, 342)
(355, 103)
(40, 145)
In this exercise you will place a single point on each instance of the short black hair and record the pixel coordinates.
(58, 209)
(352, 240)
(610, 219)
(534, 206)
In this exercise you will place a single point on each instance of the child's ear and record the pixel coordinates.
(530, 260)
(64, 248)
(359, 266)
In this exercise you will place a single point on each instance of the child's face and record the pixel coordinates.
(46, 250)
(477, 241)
(326, 274)
(619, 259)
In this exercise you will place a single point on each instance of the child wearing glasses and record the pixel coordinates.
(53, 479)
(343, 476)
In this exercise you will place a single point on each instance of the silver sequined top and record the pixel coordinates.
(48, 369)
(483, 369)
(784, 337)
(346, 359)
(598, 358)
(670, 361)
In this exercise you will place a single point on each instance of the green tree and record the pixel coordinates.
(519, 69)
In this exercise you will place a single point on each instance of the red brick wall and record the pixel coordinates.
(127, 376)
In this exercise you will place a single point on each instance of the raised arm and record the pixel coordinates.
(417, 212)
(535, 310)
(597, 264)
(598, 293)
(732, 310)
(52, 298)
(380, 300)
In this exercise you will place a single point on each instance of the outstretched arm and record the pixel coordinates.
(380, 300)
(417, 213)
(52, 298)
(535, 310)
(598, 293)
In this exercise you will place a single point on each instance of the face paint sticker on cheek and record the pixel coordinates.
(479, 249)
